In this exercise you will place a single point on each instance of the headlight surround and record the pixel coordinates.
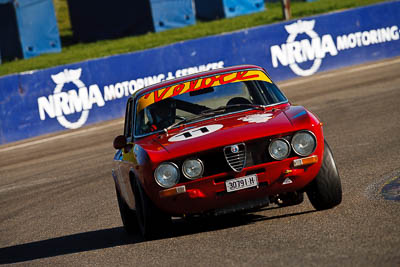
(304, 143)
(279, 149)
(167, 174)
(193, 168)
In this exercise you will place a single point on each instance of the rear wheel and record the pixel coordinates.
(128, 215)
(152, 222)
(325, 191)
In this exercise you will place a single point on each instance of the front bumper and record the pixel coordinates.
(209, 194)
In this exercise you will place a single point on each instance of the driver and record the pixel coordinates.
(161, 114)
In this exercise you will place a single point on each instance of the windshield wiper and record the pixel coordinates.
(224, 108)
(210, 112)
(254, 106)
(185, 120)
(182, 121)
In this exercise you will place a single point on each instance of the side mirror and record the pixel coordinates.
(119, 142)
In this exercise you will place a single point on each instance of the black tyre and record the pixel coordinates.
(152, 223)
(325, 191)
(128, 215)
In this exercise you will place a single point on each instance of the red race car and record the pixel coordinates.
(215, 143)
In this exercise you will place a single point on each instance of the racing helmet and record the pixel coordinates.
(161, 114)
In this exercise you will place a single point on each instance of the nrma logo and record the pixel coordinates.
(304, 49)
(295, 52)
(60, 103)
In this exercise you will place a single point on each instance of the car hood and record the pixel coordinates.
(222, 131)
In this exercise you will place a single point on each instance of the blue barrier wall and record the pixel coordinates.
(78, 94)
(216, 9)
(170, 14)
(28, 28)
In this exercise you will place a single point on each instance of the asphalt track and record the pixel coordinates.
(58, 204)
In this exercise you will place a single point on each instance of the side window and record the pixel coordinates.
(128, 120)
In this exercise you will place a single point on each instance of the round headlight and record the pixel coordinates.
(279, 149)
(304, 143)
(193, 168)
(167, 174)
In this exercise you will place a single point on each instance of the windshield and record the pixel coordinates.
(207, 102)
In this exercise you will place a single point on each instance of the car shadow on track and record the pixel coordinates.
(69, 244)
(208, 224)
(117, 236)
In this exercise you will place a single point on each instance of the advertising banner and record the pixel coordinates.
(71, 96)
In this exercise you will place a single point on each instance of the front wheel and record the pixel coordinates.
(151, 221)
(128, 216)
(325, 191)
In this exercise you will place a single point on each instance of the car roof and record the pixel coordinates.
(195, 76)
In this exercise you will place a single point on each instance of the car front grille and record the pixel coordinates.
(235, 156)
(223, 160)
(215, 161)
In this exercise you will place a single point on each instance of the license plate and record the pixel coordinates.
(241, 183)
